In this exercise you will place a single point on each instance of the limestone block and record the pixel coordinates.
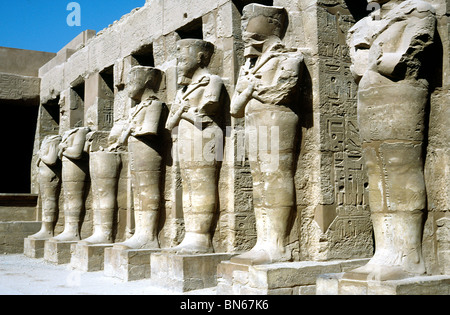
(12, 235)
(34, 248)
(18, 207)
(77, 65)
(183, 273)
(88, 258)
(128, 264)
(333, 284)
(104, 49)
(22, 62)
(18, 87)
(58, 253)
(443, 244)
(136, 27)
(279, 278)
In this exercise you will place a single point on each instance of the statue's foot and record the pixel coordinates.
(42, 235)
(193, 243)
(67, 237)
(377, 272)
(136, 242)
(190, 249)
(261, 256)
(97, 238)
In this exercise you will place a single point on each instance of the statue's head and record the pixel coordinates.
(260, 23)
(141, 78)
(193, 54)
(51, 140)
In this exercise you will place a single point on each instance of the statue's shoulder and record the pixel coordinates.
(215, 79)
(422, 6)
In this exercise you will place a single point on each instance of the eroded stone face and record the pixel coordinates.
(392, 96)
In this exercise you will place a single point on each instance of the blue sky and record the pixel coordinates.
(42, 24)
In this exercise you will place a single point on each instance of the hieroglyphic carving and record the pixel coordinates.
(15, 87)
(344, 182)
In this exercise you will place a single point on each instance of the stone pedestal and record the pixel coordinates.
(33, 248)
(290, 278)
(183, 273)
(58, 253)
(128, 264)
(334, 284)
(88, 258)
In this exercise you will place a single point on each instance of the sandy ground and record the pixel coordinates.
(20, 275)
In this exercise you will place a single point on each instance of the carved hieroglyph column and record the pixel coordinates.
(436, 237)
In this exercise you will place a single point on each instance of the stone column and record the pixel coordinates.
(437, 175)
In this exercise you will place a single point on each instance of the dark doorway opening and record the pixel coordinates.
(18, 129)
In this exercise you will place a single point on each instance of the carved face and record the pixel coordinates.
(188, 60)
(253, 44)
(138, 80)
(258, 30)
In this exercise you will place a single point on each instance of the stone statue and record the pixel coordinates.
(74, 175)
(265, 94)
(194, 113)
(386, 49)
(144, 147)
(49, 185)
(104, 168)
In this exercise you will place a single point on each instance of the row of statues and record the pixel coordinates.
(386, 52)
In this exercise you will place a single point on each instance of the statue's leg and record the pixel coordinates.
(49, 194)
(104, 168)
(273, 185)
(392, 123)
(199, 206)
(146, 181)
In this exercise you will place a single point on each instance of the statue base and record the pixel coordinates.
(183, 273)
(336, 284)
(128, 264)
(58, 253)
(33, 248)
(287, 278)
(88, 257)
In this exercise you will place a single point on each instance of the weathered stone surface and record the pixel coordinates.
(128, 264)
(13, 233)
(334, 284)
(33, 248)
(183, 273)
(58, 252)
(15, 87)
(278, 278)
(325, 174)
(88, 257)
